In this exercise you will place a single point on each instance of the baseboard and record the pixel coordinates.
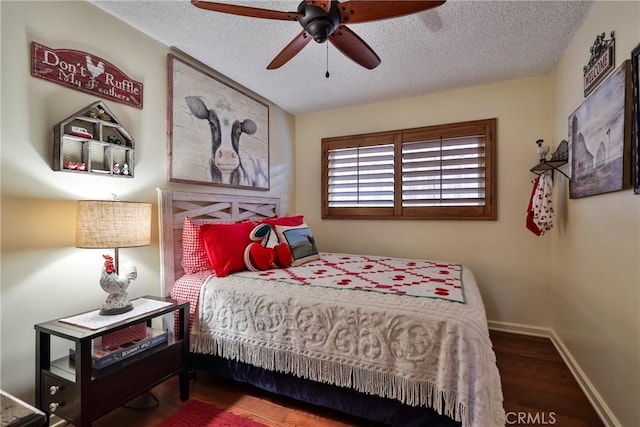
(607, 417)
(521, 329)
(600, 406)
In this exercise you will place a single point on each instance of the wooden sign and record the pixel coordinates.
(600, 63)
(86, 73)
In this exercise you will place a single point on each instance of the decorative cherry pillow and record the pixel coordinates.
(265, 252)
(283, 220)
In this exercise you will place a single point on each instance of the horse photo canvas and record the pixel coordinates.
(599, 138)
(218, 135)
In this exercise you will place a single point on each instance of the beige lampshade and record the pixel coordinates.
(112, 224)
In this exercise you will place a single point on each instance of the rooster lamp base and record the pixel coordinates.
(116, 304)
(116, 286)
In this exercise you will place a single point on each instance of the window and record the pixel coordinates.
(436, 172)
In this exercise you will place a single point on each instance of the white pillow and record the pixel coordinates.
(301, 241)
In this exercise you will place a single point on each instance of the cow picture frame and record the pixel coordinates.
(217, 133)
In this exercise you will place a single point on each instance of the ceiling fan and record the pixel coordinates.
(325, 20)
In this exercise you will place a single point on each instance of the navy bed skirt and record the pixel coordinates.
(368, 407)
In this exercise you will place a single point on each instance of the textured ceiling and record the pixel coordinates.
(459, 44)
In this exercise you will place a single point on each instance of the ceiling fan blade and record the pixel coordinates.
(253, 12)
(290, 50)
(323, 4)
(356, 11)
(352, 46)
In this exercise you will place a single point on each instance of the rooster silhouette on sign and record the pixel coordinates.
(95, 70)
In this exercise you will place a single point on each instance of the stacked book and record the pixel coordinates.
(103, 357)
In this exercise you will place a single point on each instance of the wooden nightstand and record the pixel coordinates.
(80, 394)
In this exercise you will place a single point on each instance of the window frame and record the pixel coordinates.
(488, 211)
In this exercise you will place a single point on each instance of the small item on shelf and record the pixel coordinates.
(113, 140)
(543, 150)
(125, 169)
(80, 131)
(99, 113)
(102, 357)
(113, 340)
(75, 166)
(116, 168)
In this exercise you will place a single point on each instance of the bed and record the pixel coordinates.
(394, 341)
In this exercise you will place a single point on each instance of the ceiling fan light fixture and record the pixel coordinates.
(320, 29)
(317, 22)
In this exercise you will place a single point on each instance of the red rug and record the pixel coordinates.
(199, 414)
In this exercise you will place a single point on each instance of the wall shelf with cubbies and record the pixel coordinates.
(93, 141)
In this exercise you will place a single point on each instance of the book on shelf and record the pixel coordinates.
(101, 358)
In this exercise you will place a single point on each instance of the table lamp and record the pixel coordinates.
(114, 224)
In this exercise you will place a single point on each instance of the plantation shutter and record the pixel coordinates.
(435, 172)
(444, 172)
(361, 176)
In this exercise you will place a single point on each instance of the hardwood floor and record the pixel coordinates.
(536, 381)
(538, 389)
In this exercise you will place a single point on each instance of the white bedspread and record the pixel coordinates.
(421, 351)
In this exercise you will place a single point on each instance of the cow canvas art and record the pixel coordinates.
(218, 135)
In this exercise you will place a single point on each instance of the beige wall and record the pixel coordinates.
(43, 275)
(595, 250)
(510, 263)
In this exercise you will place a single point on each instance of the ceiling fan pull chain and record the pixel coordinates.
(327, 73)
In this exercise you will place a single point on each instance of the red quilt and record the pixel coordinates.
(417, 278)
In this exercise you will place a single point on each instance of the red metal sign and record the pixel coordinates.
(85, 72)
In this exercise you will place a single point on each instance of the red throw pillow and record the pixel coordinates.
(286, 221)
(225, 244)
